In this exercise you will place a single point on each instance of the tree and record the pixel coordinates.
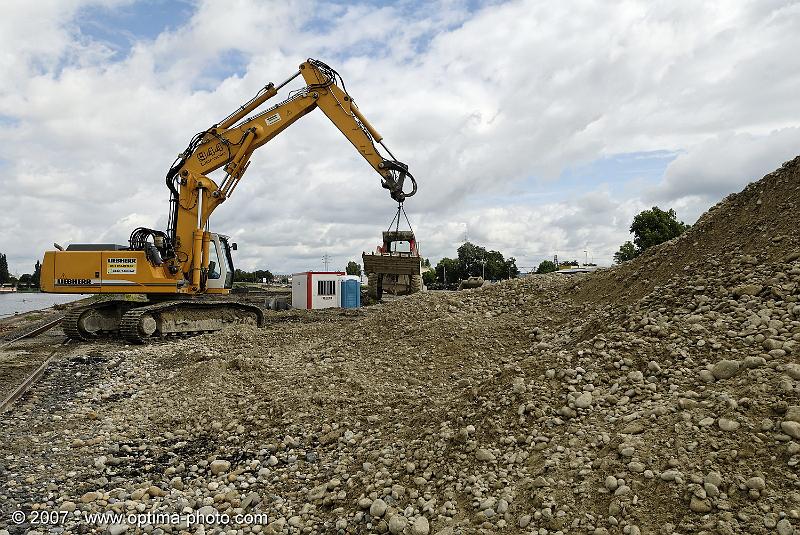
(470, 260)
(263, 275)
(512, 270)
(4, 274)
(37, 273)
(429, 277)
(447, 267)
(25, 279)
(626, 252)
(655, 226)
(649, 228)
(258, 275)
(353, 268)
(546, 266)
(496, 267)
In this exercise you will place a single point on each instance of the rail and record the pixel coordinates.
(34, 331)
(33, 377)
(28, 382)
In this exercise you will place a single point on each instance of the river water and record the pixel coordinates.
(19, 302)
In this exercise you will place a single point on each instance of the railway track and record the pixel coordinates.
(20, 390)
(31, 378)
(34, 330)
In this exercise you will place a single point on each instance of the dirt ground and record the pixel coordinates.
(661, 396)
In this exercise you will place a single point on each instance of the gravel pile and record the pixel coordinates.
(662, 396)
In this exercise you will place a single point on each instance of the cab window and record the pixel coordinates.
(214, 264)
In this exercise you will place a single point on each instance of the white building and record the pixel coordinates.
(325, 289)
(316, 289)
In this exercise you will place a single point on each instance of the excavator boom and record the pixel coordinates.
(231, 143)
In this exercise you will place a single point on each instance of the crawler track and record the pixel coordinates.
(129, 326)
(70, 325)
(72, 319)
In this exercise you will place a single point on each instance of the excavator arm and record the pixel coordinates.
(230, 144)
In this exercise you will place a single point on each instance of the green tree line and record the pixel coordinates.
(472, 261)
(240, 275)
(26, 279)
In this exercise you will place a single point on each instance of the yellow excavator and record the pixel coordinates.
(184, 270)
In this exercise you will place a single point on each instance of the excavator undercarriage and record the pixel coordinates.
(139, 321)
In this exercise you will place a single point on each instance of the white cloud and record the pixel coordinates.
(474, 102)
(722, 164)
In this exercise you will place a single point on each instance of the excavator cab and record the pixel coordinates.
(220, 264)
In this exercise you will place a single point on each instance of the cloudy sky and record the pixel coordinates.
(535, 127)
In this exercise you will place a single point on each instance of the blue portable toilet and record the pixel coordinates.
(351, 292)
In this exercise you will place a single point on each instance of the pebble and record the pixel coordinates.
(699, 505)
(785, 527)
(90, 497)
(791, 428)
(421, 526)
(397, 524)
(636, 467)
(726, 424)
(378, 508)
(706, 422)
(793, 371)
(725, 369)
(218, 466)
(484, 455)
(584, 400)
(670, 475)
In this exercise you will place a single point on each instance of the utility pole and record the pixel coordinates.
(326, 260)
(585, 257)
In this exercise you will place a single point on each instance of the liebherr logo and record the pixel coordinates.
(73, 282)
(210, 154)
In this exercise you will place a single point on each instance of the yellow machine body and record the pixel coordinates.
(85, 272)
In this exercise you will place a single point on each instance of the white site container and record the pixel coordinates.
(316, 289)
